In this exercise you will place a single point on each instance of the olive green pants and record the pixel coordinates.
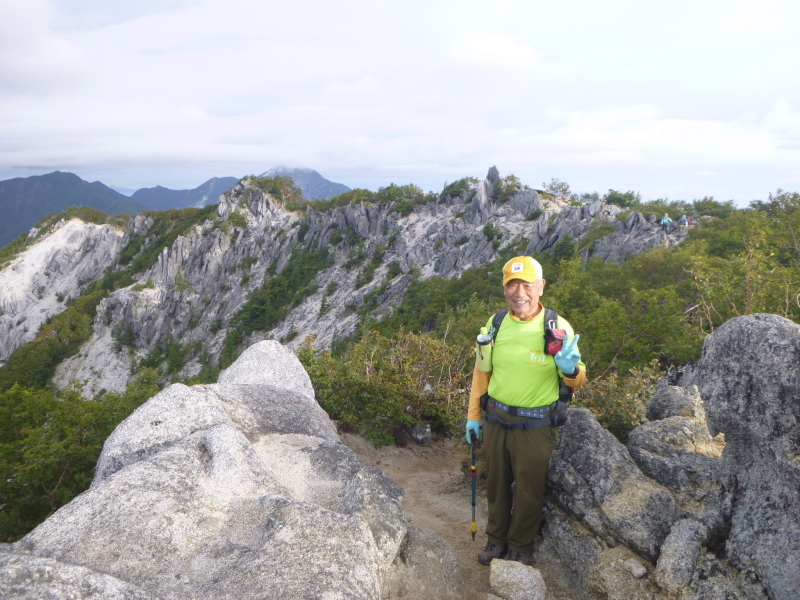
(521, 456)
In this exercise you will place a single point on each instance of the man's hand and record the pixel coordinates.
(473, 427)
(568, 357)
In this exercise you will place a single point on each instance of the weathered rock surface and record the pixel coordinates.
(750, 383)
(714, 479)
(425, 568)
(679, 556)
(514, 581)
(679, 453)
(234, 490)
(594, 479)
(673, 401)
(37, 284)
(33, 578)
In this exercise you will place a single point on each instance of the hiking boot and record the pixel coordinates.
(491, 552)
(526, 558)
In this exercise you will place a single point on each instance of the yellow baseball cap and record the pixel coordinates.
(522, 267)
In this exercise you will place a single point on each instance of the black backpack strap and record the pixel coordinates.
(565, 392)
(497, 320)
(550, 318)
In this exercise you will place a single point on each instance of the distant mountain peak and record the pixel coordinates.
(313, 185)
(161, 198)
(25, 200)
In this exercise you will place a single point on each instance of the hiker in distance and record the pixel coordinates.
(515, 404)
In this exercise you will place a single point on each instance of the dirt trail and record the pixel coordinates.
(438, 498)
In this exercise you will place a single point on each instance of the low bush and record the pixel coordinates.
(385, 385)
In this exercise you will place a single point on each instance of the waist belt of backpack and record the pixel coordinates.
(529, 424)
(539, 417)
(540, 412)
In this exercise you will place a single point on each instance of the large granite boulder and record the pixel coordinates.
(594, 479)
(706, 492)
(750, 382)
(236, 490)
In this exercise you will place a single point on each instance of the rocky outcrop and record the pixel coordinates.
(704, 497)
(750, 382)
(594, 479)
(38, 283)
(240, 489)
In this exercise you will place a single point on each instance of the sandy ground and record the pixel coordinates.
(438, 498)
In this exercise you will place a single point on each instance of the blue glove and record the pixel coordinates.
(473, 426)
(568, 357)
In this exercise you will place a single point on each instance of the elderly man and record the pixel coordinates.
(513, 406)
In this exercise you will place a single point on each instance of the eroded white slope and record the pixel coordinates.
(39, 282)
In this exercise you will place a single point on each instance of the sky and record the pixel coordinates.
(677, 99)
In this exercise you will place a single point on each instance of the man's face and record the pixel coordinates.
(523, 297)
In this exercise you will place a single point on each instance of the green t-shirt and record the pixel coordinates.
(522, 374)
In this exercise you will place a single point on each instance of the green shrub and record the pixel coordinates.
(565, 248)
(237, 219)
(181, 283)
(302, 230)
(290, 335)
(142, 251)
(384, 386)
(596, 231)
(368, 273)
(620, 403)
(505, 188)
(49, 445)
(393, 270)
(628, 199)
(463, 188)
(492, 234)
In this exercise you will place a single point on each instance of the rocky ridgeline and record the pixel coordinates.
(242, 489)
(201, 281)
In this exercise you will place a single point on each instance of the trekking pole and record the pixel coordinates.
(474, 476)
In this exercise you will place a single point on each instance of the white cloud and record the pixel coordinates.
(495, 48)
(783, 120)
(32, 57)
(417, 91)
(738, 17)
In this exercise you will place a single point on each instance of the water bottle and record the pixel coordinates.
(483, 352)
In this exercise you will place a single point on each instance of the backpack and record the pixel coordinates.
(553, 340)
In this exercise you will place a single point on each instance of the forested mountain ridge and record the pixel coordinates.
(25, 200)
